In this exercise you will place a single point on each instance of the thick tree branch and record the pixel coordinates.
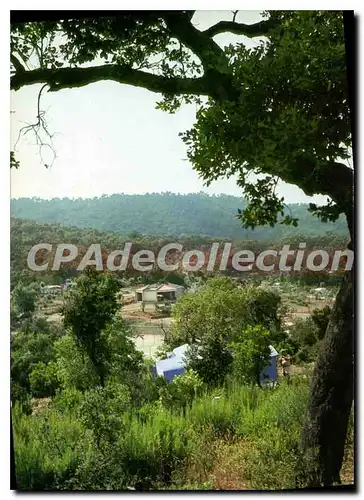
(334, 179)
(216, 65)
(16, 63)
(63, 78)
(205, 49)
(251, 30)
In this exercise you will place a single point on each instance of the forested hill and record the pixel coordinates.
(166, 214)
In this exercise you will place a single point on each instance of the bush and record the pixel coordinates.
(181, 391)
(321, 318)
(43, 380)
(211, 360)
(304, 332)
(151, 452)
(48, 449)
(101, 411)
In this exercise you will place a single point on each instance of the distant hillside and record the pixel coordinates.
(25, 234)
(167, 214)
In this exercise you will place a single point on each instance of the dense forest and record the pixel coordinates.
(27, 233)
(168, 214)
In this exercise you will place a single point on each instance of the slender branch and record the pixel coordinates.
(250, 30)
(37, 128)
(63, 78)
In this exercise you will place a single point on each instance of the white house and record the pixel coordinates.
(320, 293)
(51, 290)
(151, 295)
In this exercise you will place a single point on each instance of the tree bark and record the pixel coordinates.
(331, 395)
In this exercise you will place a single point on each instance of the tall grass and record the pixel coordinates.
(161, 448)
(48, 449)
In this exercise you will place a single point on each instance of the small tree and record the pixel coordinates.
(251, 354)
(211, 359)
(321, 318)
(88, 310)
(23, 301)
(102, 410)
(221, 310)
(181, 391)
(74, 367)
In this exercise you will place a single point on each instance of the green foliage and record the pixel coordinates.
(211, 359)
(48, 449)
(125, 363)
(251, 353)
(14, 163)
(88, 310)
(212, 319)
(321, 319)
(28, 349)
(25, 234)
(184, 214)
(307, 334)
(74, 367)
(43, 380)
(279, 110)
(221, 310)
(181, 391)
(68, 401)
(23, 300)
(102, 408)
(156, 447)
(304, 332)
(292, 118)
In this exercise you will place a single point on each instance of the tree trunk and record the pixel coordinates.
(331, 395)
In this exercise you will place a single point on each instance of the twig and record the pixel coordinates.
(37, 128)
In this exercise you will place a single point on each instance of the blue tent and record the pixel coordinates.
(269, 373)
(175, 364)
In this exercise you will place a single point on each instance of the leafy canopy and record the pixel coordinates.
(279, 110)
(221, 309)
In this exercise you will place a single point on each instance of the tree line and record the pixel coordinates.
(169, 214)
(27, 233)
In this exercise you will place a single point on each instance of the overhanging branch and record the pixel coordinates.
(16, 63)
(250, 30)
(64, 78)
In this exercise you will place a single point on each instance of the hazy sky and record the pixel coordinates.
(111, 139)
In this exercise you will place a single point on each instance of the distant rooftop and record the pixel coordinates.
(160, 287)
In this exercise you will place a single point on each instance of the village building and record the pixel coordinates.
(150, 296)
(51, 289)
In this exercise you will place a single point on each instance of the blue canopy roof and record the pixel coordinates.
(175, 363)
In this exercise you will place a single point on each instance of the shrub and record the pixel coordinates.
(304, 332)
(181, 391)
(321, 319)
(43, 380)
(102, 408)
(48, 449)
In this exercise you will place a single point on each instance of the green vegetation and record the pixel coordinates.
(101, 444)
(169, 215)
(88, 312)
(219, 319)
(25, 234)
(107, 423)
(279, 111)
